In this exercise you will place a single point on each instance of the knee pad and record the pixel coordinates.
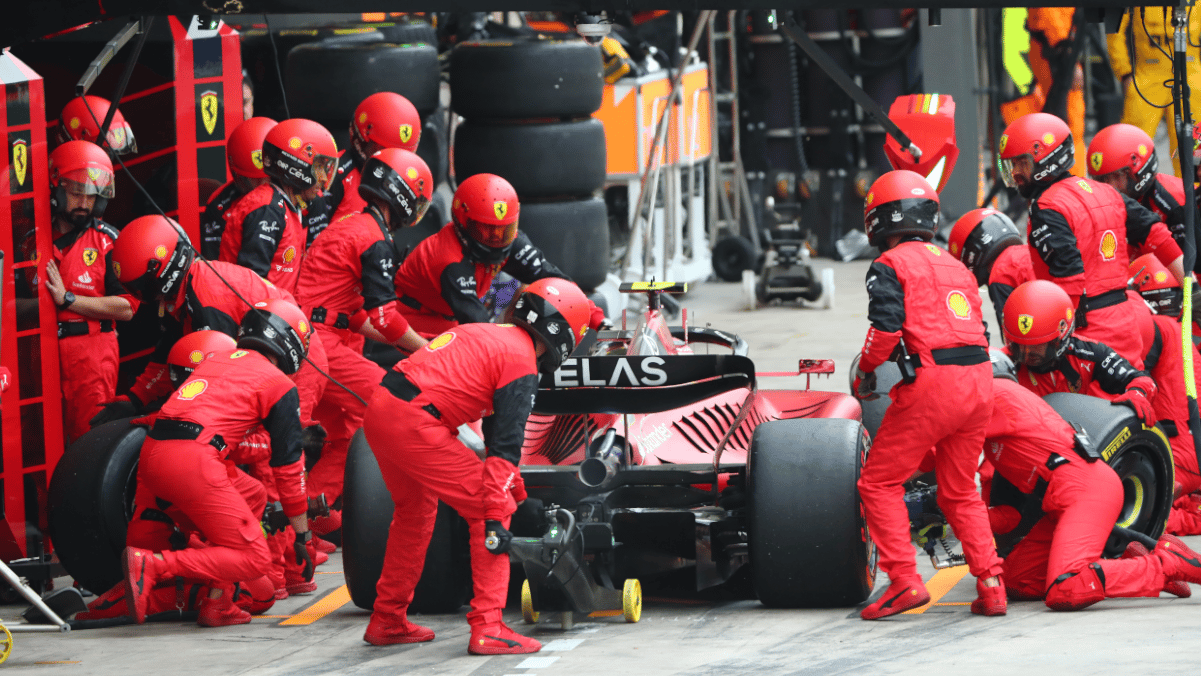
(1078, 590)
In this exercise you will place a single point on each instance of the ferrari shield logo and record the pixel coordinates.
(256, 156)
(500, 208)
(1095, 161)
(1025, 323)
(208, 110)
(406, 133)
(89, 256)
(20, 159)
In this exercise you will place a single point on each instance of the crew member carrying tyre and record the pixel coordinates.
(1039, 323)
(347, 289)
(1122, 156)
(411, 425)
(244, 154)
(263, 231)
(81, 118)
(1079, 230)
(82, 283)
(1060, 561)
(991, 248)
(382, 120)
(182, 463)
(442, 283)
(924, 303)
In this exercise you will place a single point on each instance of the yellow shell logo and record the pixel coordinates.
(501, 209)
(871, 197)
(1109, 245)
(441, 341)
(1161, 277)
(1085, 186)
(362, 117)
(294, 143)
(89, 256)
(303, 326)
(196, 356)
(193, 389)
(256, 157)
(1025, 323)
(160, 251)
(959, 305)
(411, 172)
(1004, 142)
(1069, 314)
(289, 254)
(74, 123)
(406, 132)
(1095, 161)
(934, 250)
(1048, 138)
(954, 249)
(1142, 150)
(238, 354)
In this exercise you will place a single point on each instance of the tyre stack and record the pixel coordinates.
(327, 79)
(527, 109)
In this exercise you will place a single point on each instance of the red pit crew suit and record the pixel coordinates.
(1079, 233)
(212, 221)
(263, 233)
(921, 294)
(1089, 368)
(87, 348)
(1165, 198)
(341, 200)
(347, 280)
(205, 302)
(183, 464)
(1011, 269)
(472, 371)
(439, 287)
(1060, 560)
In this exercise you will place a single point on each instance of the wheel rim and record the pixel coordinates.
(873, 554)
(631, 600)
(1136, 469)
(6, 644)
(527, 604)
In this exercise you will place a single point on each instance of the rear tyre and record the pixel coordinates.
(574, 235)
(511, 79)
(555, 159)
(319, 89)
(888, 374)
(90, 503)
(810, 547)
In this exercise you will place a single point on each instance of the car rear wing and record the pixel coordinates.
(640, 384)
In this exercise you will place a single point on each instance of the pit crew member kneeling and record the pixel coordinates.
(183, 463)
(411, 424)
(924, 301)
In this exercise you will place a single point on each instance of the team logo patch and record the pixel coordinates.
(1025, 323)
(958, 304)
(552, 290)
(1161, 277)
(1109, 245)
(363, 117)
(411, 172)
(1004, 142)
(583, 330)
(1142, 150)
(1048, 138)
(256, 157)
(193, 389)
(294, 143)
(160, 251)
(1084, 186)
(441, 341)
(501, 209)
(954, 249)
(74, 123)
(209, 105)
(196, 356)
(303, 326)
(94, 174)
(934, 250)
(20, 159)
(289, 254)
(89, 256)
(117, 268)
(871, 197)
(238, 354)
(1095, 161)
(406, 132)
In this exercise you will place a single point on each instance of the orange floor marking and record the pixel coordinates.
(938, 586)
(332, 601)
(604, 613)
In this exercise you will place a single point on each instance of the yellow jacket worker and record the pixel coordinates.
(1146, 54)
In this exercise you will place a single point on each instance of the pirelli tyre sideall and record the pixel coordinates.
(90, 502)
(526, 78)
(552, 159)
(366, 516)
(574, 235)
(325, 80)
(809, 544)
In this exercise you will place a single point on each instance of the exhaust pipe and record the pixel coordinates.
(598, 470)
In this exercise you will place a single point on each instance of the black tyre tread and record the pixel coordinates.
(574, 235)
(410, 32)
(805, 519)
(88, 503)
(524, 79)
(888, 374)
(319, 89)
(553, 159)
(732, 255)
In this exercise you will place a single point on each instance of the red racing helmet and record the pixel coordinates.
(81, 167)
(300, 154)
(1037, 313)
(151, 257)
(244, 150)
(278, 328)
(400, 179)
(900, 202)
(484, 212)
(1158, 287)
(81, 119)
(1123, 147)
(191, 350)
(387, 120)
(979, 236)
(556, 313)
(1046, 140)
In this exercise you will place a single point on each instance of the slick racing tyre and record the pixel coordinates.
(574, 235)
(326, 80)
(511, 79)
(809, 545)
(366, 516)
(554, 159)
(888, 374)
(732, 255)
(90, 502)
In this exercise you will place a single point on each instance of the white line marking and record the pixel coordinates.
(562, 644)
(536, 662)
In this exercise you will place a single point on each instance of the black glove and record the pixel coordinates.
(121, 407)
(531, 508)
(318, 506)
(312, 439)
(496, 537)
(274, 519)
(300, 546)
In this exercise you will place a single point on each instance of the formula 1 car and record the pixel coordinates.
(650, 458)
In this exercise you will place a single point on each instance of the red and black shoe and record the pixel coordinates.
(990, 601)
(142, 570)
(1179, 562)
(221, 612)
(323, 525)
(390, 630)
(498, 639)
(1178, 589)
(901, 595)
(108, 605)
(324, 546)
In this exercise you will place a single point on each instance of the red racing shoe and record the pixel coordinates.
(324, 525)
(296, 584)
(388, 630)
(1179, 562)
(142, 570)
(221, 612)
(498, 639)
(901, 595)
(990, 601)
(324, 546)
(1178, 589)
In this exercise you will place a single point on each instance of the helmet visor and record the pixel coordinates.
(120, 138)
(491, 235)
(325, 168)
(89, 181)
(1022, 165)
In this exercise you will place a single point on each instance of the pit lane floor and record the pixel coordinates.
(680, 632)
